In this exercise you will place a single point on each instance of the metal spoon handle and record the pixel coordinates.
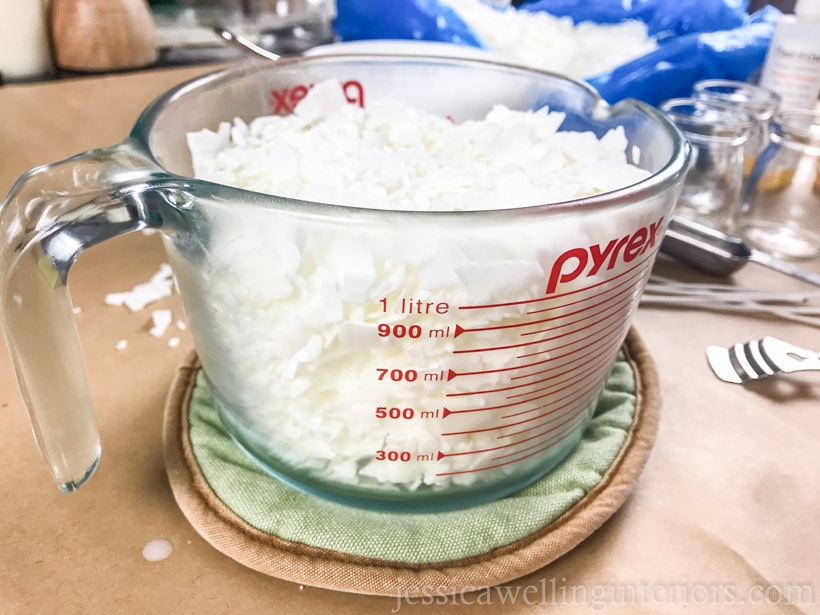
(718, 253)
(800, 273)
(240, 42)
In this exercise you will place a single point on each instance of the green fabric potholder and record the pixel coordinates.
(279, 510)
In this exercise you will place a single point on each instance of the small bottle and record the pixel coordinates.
(792, 65)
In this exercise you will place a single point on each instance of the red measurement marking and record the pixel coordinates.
(572, 397)
(539, 435)
(557, 416)
(460, 330)
(639, 273)
(446, 412)
(541, 446)
(584, 328)
(453, 374)
(587, 342)
(500, 447)
(565, 401)
(568, 399)
(604, 360)
(614, 324)
(556, 434)
(593, 334)
(568, 427)
(609, 307)
(529, 384)
(626, 272)
(523, 401)
(441, 455)
(592, 344)
(483, 430)
(604, 302)
(498, 465)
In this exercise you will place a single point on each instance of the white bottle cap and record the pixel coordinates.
(807, 9)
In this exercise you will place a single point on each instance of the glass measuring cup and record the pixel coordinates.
(462, 353)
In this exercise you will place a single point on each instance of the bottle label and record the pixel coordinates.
(792, 67)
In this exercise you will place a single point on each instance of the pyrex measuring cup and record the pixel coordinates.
(394, 359)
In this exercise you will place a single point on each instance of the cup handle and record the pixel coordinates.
(50, 216)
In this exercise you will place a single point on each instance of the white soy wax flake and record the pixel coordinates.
(352, 156)
(122, 345)
(158, 287)
(181, 325)
(77, 310)
(157, 550)
(326, 99)
(205, 145)
(547, 42)
(161, 320)
(173, 342)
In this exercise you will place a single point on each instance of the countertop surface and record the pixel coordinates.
(725, 517)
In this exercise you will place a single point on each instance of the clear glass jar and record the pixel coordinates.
(761, 103)
(718, 133)
(780, 213)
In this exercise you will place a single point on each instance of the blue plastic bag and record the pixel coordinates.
(671, 70)
(664, 18)
(698, 39)
(423, 20)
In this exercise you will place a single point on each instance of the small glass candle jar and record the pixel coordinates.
(780, 213)
(718, 133)
(761, 103)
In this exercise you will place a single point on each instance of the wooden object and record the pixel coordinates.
(102, 35)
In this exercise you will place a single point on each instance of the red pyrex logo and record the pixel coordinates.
(576, 261)
(284, 100)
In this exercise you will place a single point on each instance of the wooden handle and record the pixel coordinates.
(102, 35)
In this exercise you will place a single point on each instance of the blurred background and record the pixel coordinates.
(286, 26)
(46, 39)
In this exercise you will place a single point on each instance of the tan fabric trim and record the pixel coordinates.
(308, 565)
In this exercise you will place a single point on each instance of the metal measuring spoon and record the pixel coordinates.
(719, 254)
(240, 42)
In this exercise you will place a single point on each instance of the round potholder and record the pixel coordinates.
(275, 529)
